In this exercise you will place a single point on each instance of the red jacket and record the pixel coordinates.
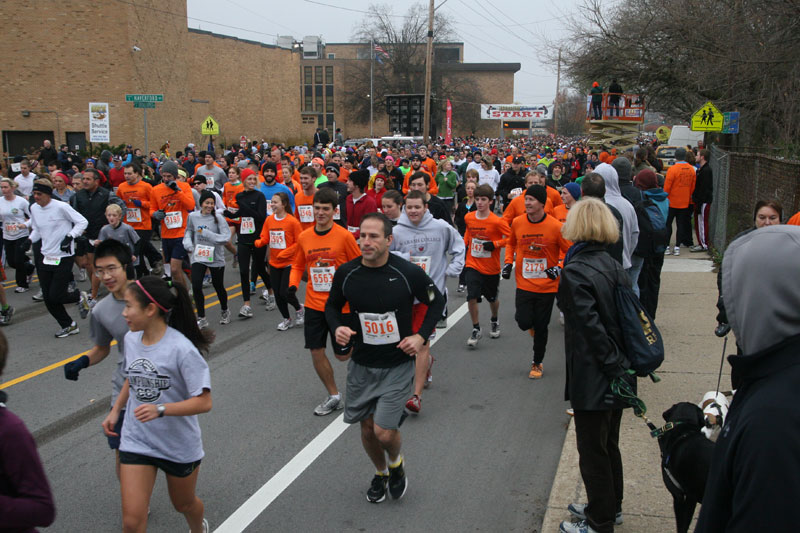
(356, 211)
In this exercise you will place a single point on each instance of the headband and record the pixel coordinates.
(151, 298)
(41, 187)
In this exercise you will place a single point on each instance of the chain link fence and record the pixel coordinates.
(740, 180)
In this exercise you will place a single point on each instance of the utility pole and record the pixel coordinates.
(371, 89)
(426, 127)
(558, 94)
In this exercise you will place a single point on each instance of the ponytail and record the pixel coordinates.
(174, 306)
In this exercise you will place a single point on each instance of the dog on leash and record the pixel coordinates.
(685, 459)
(715, 409)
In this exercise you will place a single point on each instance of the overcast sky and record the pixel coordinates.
(493, 31)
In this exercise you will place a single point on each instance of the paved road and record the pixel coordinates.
(481, 455)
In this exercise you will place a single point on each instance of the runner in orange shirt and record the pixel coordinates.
(304, 199)
(320, 251)
(172, 201)
(516, 207)
(416, 166)
(486, 233)
(136, 194)
(536, 242)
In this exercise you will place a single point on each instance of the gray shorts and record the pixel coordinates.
(381, 392)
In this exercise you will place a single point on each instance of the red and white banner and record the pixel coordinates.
(448, 138)
(516, 112)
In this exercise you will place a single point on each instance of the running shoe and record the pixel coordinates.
(92, 302)
(72, 329)
(474, 337)
(72, 286)
(83, 305)
(377, 489)
(570, 411)
(270, 303)
(207, 280)
(676, 251)
(331, 404)
(285, 324)
(461, 288)
(82, 274)
(397, 481)
(202, 322)
(38, 297)
(246, 312)
(495, 332)
(157, 268)
(576, 527)
(442, 324)
(697, 248)
(668, 251)
(206, 527)
(536, 371)
(5, 315)
(414, 404)
(578, 510)
(21, 289)
(225, 318)
(264, 293)
(429, 376)
(300, 316)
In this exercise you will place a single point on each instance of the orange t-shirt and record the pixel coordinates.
(795, 220)
(560, 213)
(321, 255)
(141, 191)
(433, 188)
(537, 247)
(304, 209)
(177, 205)
(679, 185)
(343, 173)
(517, 208)
(492, 228)
(430, 165)
(553, 196)
(229, 192)
(281, 236)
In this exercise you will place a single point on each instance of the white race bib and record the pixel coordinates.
(322, 278)
(422, 261)
(514, 193)
(203, 254)
(277, 239)
(54, 261)
(534, 268)
(477, 251)
(306, 213)
(173, 220)
(352, 229)
(133, 214)
(11, 229)
(248, 226)
(337, 215)
(379, 328)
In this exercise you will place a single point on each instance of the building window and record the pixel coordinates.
(318, 94)
(309, 119)
(329, 105)
(328, 75)
(317, 75)
(331, 56)
(307, 80)
(329, 120)
(309, 104)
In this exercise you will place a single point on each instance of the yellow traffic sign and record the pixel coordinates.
(662, 133)
(210, 126)
(707, 118)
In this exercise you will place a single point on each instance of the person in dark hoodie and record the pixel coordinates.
(25, 498)
(650, 275)
(701, 198)
(753, 473)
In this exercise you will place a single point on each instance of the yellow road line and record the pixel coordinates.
(53, 366)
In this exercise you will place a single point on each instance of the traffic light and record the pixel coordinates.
(406, 113)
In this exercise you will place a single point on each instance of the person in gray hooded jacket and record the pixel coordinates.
(437, 248)
(753, 473)
(630, 224)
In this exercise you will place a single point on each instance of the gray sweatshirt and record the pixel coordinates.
(215, 233)
(430, 243)
(630, 224)
(122, 233)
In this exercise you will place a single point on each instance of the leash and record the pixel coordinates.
(721, 362)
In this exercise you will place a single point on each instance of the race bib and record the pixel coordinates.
(203, 254)
(422, 261)
(11, 229)
(173, 220)
(534, 268)
(53, 261)
(133, 214)
(248, 226)
(352, 229)
(379, 328)
(477, 251)
(277, 239)
(322, 278)
(337, 215)
(306, 213)
(515, 192)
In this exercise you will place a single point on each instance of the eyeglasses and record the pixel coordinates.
(111, 271)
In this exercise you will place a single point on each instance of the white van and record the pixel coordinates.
(683, 136)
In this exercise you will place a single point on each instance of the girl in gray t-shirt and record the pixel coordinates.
(167, 385)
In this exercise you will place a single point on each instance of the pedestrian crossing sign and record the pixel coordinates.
(707, 118)
(210, 126)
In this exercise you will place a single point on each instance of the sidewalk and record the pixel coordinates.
(686, 318)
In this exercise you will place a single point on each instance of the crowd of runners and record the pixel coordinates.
(354, 244)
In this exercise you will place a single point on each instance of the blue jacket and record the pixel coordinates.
(659, 198)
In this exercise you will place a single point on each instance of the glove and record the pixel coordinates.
(26, 245)
(291, 290)
(722, 329)
(73, 368)
(488, 246)
(66, 244)
(173, 185)
(159, 215)
(228, 214)
(553, 272)
(136, 202)
(507, 270)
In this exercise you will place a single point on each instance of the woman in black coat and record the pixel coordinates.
(595, 357)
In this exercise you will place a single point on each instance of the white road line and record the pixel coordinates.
(263, 497)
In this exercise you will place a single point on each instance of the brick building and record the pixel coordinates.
(57, 64)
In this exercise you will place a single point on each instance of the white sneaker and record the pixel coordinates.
(225, 318)
(668, 251)
(202, 322)
(677, 251)
(474, 337)
(246, 312)
(330, 405)
(300, 316)
(270, 303)
(285, 324)
(21, 289)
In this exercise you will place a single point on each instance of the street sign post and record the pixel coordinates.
(145, 105)
(144, 97)
(707, 118)
(730, 122)
(144, 102)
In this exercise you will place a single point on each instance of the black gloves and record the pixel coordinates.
(73, 368)
(173, 185)
(722, 329)
(291, 290)
(488, 246)
(159, 215)
(66, 244)
(553, 272)
(507, 270)
(228, 214)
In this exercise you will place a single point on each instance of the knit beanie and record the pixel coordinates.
(170, 168)
(538, 192)
(574, 190)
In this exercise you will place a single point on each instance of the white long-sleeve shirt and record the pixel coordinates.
(14, 214)
(53, 222)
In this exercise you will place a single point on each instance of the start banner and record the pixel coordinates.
(534, 112)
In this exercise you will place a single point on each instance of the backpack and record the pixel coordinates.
(644, 345)
(653, 234)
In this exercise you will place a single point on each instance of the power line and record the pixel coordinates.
(248, 10)
(356, 10)
(495, 22)
(508, 17)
